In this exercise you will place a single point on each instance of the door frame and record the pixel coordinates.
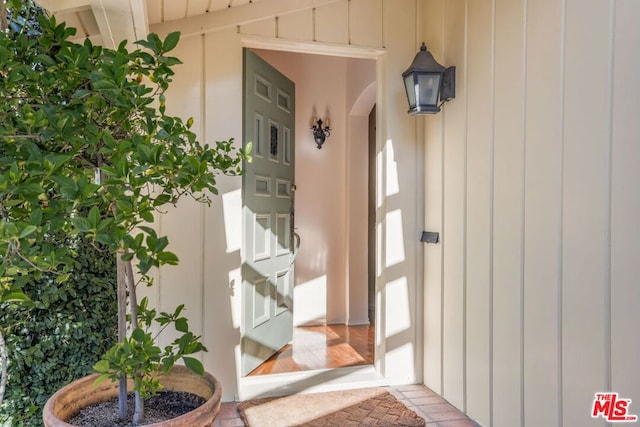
(341, 378)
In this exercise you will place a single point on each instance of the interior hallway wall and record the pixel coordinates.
(532, 296)
(328, 183)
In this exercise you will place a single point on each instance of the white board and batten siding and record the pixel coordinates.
(208, 87)
(531, 177)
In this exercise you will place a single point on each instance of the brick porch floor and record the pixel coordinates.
(436, 411)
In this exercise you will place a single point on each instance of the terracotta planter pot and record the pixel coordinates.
(67, 401)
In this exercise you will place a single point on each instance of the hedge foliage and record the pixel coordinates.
(61, 337)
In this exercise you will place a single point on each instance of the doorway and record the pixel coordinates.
(371, 217)
(334, 288)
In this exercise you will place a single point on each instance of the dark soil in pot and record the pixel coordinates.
(164, 406)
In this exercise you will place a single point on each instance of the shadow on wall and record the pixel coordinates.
(223, 284)
(400, 302)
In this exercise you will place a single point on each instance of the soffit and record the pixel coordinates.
(106, 22)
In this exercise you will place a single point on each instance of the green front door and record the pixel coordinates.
(268, 207)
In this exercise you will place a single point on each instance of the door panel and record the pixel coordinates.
(267, 260)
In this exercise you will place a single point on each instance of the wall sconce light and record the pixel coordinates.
(321, 130)
(428, 82)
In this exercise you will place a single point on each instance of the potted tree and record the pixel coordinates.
(87, 148)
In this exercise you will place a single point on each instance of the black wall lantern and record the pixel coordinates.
(428, 84)
(321, 131)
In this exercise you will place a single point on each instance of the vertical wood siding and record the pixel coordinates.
(454, 227)
(508, 211)
(434, 194)
(348, 22)
(543, 213)
(625, 203)
(531, 177)
(478, 207)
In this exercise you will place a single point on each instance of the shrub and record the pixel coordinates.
(59, 338)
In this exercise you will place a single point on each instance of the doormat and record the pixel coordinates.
(367, 406)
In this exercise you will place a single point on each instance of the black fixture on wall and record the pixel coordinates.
(430, 237)
(321, 130)
(428, 84)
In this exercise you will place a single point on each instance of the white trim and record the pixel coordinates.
(140, 18)
(381, 208)
(120, 20)
(104, 23)
(331, 49)
(317, 381)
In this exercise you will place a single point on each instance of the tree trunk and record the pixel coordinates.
(133, 297)
(3, 363)
(4, 24)
(121, 267)
(127, 293)
(138, 413)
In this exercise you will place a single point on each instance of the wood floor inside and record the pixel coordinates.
(322, 347)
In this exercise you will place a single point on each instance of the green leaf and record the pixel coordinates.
(167, 363)
(138, 335)
(154, 43)
(61, 278)
(161, 199)
(178, 310)
(101, 366)
(168, 258)
(100, 379)
(147, 216)
(104, 238)
(193, 364)
(150, 231)
(81, 224)
(27, 231)
(248, 148)
(44, 59)
(182, 325)
(171, 60)
(94, 217)
(36, 217)
(14, 296)
(171, 41)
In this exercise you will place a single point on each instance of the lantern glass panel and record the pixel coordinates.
(411, 90)
(429, 87)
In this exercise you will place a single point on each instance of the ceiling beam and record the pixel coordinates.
(234, 16)
(57, 7)
(120, 20)
(140, 18)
